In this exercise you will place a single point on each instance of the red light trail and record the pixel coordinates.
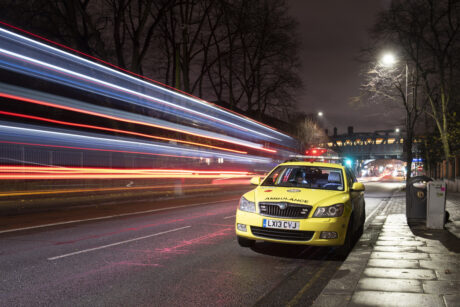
(116, 130)
(96, 149)
(54, 172)
(49, 104)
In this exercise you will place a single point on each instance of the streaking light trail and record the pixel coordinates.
(182, 94)
(42, 172)
(116, 130)
(95, 143)
(105, 84)
(67, 117)
(48, 104)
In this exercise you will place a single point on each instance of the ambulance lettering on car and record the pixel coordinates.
(327, 208)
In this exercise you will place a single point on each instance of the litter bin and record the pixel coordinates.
(436, 207)
(416, 197)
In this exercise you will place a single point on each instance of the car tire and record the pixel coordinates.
(350, 237)
(244, 242)
(361, 226)
(360, 231)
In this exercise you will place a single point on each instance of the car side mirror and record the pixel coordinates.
(256, 180)
(358, 187)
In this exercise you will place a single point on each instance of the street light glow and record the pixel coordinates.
(388, 60)
(320, 114)
(397, 130)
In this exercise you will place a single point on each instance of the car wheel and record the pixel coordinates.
(361, 226)
(360, 232)
(345, 249)
(243, 242)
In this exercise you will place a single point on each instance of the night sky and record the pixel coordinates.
(332, 33)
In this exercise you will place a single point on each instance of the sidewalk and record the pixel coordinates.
(397, 265)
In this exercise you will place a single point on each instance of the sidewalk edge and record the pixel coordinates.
(340, 289)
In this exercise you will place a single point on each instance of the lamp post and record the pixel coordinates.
(389, 60)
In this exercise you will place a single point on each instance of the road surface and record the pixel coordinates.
(186, 256)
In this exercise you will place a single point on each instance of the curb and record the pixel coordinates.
(340, 289)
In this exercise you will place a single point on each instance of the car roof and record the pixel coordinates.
(321, 164)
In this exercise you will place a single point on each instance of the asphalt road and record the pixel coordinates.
(186, 256)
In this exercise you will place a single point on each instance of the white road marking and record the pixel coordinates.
(117, 243)
(229, 217)
(112, 216)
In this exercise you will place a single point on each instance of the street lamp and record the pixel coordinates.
(397, 130)
(320, 114)
(388, 60)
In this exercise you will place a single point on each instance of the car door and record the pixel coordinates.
(357, 201)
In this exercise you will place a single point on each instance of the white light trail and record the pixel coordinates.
(145, 83)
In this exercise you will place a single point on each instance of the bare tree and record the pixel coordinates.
(186, 32)
(241, 54)
(134, 23)
(398, 85)
(263, 60)
(308, 131)
(75, 23)
(428, 32)
(235, 52)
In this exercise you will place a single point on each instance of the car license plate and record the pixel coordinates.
(281, 224)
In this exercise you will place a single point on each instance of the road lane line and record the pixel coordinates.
(229, 217)
(117, 243)
(296, 298)
(113, 216)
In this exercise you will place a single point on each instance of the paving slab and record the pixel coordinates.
(441, 287)
(359, 256)
(336, 300)
(452, 300)
(434, 244)
(448, 274)
(439, 265)
(394, 263)
(446, 257)
(392, 285)
(406, 232)
(433, 250)
(385, 248)
(399, 273)
(395, 299)
(399, 238)
(364, 246)
(387, 227)
(400, 243)
(399, 255)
